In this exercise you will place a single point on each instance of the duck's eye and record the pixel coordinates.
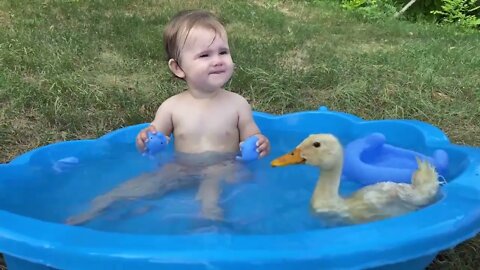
(316, 144)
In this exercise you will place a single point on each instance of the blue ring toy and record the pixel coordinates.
(370, 160)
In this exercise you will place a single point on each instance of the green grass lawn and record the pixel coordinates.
(72, 69)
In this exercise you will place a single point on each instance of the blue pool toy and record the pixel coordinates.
(370, 160)
(155, 143)
(248, 149)
(33, 235)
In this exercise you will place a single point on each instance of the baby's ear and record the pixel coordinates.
(175, 68)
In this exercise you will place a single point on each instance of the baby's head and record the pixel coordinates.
(197, 50)
(179, 27)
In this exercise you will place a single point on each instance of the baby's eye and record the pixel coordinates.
(224, 52)
(204, 55)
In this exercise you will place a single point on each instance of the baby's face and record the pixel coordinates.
(205, 59)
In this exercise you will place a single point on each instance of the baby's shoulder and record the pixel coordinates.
(169, 104)
(173, 100)
(234, 97)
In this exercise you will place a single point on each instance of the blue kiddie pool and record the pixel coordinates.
(267, 224)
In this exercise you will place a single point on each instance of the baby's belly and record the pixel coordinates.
(226, 144)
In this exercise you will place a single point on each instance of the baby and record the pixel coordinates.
(207, 122)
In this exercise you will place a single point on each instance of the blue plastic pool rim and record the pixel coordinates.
(426, 232)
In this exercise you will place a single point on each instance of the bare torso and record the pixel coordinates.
(205, 125)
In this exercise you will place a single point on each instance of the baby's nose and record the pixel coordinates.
(218, 61)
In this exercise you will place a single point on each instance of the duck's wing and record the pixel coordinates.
(381, 193)
(399, 194)
(381, 200)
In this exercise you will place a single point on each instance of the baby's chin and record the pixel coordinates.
(216, 83)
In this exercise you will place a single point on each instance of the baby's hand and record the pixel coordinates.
(142, 138)
(263, 145)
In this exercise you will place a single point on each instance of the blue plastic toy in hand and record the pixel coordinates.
(248, 149)
(155, 143)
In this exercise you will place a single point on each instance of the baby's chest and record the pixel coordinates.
(206, 119)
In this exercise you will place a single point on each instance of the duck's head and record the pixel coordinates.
(321, 150)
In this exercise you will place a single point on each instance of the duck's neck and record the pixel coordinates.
(327, 186)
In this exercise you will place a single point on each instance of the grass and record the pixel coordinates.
(74, 69)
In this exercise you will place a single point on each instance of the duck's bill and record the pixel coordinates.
(288, 159)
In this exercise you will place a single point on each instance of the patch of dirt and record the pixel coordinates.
(297, 58)
(5, 20)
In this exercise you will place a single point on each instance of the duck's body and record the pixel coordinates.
(373, 202)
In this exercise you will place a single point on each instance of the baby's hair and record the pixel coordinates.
(177, 30)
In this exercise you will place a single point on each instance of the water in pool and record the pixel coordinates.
(261, 200)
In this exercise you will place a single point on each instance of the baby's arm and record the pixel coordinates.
(163, 118)
(248, 127)
(161, 123)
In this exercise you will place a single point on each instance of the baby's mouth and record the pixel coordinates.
(217, 72)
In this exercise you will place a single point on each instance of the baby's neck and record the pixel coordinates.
(200, 94)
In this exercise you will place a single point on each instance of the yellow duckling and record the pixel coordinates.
(378, 201)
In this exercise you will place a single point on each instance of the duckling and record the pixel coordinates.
(374, 202)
